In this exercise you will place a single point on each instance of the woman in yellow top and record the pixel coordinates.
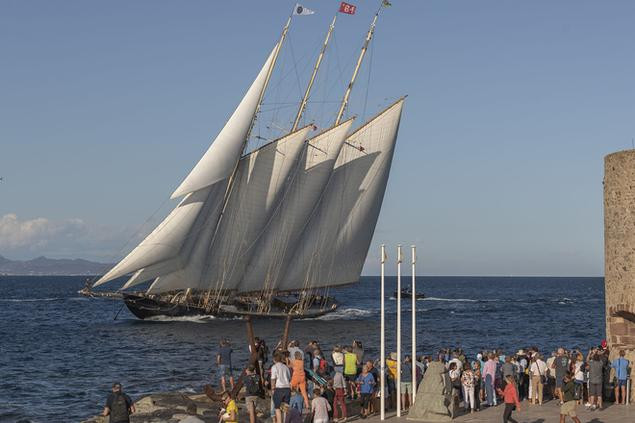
(231, 410)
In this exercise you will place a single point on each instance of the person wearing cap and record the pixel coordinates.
(119, 406)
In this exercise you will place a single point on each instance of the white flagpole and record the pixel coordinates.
(382, 374)
(399, 331)
(414, 328)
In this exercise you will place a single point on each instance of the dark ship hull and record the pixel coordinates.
(145, 306)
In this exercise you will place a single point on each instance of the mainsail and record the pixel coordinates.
(335, 242)
(281, 235)
(167, 239)
(259, 181)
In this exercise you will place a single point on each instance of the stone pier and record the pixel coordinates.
(619, 253)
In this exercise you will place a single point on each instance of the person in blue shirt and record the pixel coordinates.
(296, 400)
(366, 383)
(620, 365)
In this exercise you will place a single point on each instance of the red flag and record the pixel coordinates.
(347, 8)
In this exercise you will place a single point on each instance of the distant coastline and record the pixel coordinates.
(44, 266)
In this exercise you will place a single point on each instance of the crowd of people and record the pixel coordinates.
(310, 384)
(309, 381)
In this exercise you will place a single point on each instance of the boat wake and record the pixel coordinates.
(345, 314)
(457, 300)
(192, 319)
(30, 300)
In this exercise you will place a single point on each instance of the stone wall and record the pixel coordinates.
(619, 252)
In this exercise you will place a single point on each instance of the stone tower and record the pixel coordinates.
(619, 253)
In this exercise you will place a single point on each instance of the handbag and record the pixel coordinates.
(543, 378)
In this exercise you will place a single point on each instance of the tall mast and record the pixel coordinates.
(315, 70)
(232, 177)
(369, 35)
(269, 72)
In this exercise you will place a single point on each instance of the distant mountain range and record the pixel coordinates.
(55, 267)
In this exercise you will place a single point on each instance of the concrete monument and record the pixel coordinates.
(434, 401)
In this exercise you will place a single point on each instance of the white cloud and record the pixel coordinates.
(67, 238)
(36, 233)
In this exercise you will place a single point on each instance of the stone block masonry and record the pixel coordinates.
(619, 253)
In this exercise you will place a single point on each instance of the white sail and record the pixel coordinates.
(167, 239)
(336, 240)
(281, 235)
(259, 180)
(221, 157)
(200, 187)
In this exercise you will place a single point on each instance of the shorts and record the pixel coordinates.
(366, 400)
(281, 395)
(350, 378)
(406, 387)
(621, 382)
(559, 382)
(595, 389)
(568, 409)
(251, 400)
(224, 370)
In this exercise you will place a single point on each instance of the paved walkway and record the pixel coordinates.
(548, 412)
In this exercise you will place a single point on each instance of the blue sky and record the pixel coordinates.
(106, 106)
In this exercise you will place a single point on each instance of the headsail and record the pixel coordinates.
(336, 240)
(221, 157)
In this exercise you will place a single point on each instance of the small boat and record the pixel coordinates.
(406, 293)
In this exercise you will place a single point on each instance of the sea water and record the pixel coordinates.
(60, 352)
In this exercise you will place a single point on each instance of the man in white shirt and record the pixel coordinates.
(538, 370)
(280, 385)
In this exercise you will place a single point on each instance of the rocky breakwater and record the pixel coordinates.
(170, 407)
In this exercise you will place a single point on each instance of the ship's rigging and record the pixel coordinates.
(267, 232)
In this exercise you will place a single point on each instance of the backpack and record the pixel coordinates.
(323, 367)
(577, 392)
(252, 385)
(119, 409)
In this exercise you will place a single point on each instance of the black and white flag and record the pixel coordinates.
(301, 10)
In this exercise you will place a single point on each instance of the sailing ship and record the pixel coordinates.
(267, 232)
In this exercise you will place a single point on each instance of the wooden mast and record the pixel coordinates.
(230, 184)
(313, 75)
(347, 94)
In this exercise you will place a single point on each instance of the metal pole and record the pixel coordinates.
(315, 70)
(399, 330)
(382, 366)
(414, 327)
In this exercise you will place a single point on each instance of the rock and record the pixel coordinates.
(433, 403)
(170, 407)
